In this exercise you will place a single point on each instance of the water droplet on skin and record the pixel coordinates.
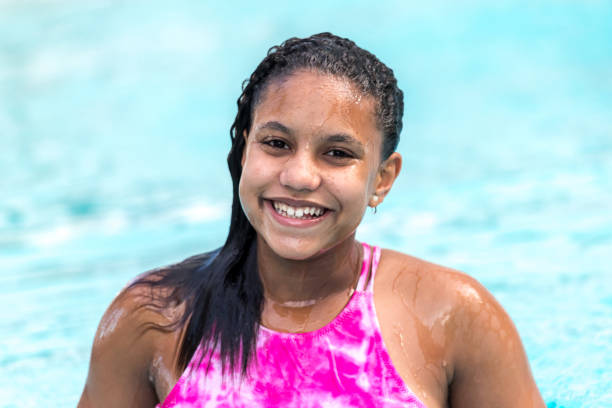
(160, 374)
(109, 323)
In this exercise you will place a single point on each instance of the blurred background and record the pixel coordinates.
(114, 127)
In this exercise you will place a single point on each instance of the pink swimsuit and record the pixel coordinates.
(343, 364)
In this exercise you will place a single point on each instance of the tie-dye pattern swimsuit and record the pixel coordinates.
(343, 364)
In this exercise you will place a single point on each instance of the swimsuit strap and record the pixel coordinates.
(366, 277)
(374, 260)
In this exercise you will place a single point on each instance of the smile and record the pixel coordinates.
(301, 213)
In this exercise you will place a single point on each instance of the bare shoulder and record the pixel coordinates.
(133, 317)
(430, 286)
(460, 320)
(434, 292)
(133, 336)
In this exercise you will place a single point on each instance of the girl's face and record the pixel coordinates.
(311, 164)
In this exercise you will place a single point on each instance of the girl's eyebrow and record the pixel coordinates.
(274, 125)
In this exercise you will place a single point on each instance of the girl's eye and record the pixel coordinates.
(276, 143)
(340, 154)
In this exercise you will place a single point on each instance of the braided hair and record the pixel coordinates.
(221, 290)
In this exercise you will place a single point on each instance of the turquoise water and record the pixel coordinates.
(114, 122)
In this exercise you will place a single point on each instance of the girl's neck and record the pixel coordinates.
(297, 284)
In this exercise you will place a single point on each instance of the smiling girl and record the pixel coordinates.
(292, 311)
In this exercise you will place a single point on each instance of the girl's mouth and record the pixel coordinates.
(300, 213)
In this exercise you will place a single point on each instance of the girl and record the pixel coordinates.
(292, 311)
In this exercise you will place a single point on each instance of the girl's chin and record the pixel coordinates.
(294, 254)
(298, 250)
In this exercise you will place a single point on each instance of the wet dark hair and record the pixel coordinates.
(221, 290)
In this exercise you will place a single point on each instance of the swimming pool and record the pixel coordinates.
(114, 120)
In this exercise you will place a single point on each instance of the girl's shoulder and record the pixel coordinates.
(411, 276)
(460, 325)
(151, 308)
(458, 303)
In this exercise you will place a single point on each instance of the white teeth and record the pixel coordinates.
(297, 212)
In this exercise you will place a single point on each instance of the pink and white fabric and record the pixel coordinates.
(343, 364)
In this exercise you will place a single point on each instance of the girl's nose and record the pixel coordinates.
(300, 173)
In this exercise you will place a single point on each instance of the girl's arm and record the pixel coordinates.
(491, 367)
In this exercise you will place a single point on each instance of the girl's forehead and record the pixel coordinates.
(306, 81)
(314, 99)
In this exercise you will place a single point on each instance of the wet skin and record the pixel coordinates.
(314, 142)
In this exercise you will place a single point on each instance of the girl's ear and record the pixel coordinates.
(387, 173)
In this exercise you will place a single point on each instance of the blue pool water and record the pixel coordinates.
(114, 122)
